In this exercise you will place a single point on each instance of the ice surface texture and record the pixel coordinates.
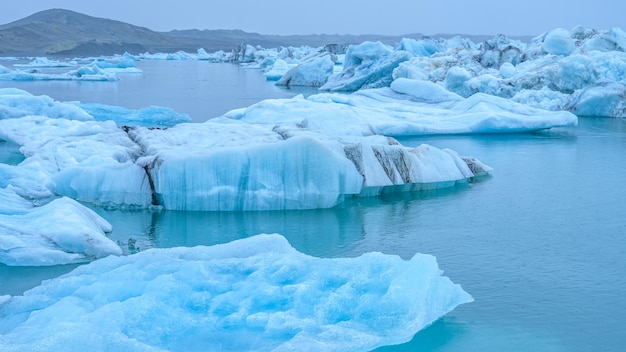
(256, 294)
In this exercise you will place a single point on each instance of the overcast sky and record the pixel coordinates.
(523, 17)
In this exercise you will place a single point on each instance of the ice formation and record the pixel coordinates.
(407, 108)
(151, 116)
(59, 232)
(367, 65)
(97, 70)
(552, 72)
(16, 103)
(41, 62)
(314, 72)
(85, 160)
(278, 154)
(255, 294)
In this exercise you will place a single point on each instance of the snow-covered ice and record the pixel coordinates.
(255, 294)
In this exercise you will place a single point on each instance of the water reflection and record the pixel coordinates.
(323, 232)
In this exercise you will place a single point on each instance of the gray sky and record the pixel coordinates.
(525, 17)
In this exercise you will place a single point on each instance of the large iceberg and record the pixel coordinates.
(255, 294)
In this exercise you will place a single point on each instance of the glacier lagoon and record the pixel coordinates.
(539, 244)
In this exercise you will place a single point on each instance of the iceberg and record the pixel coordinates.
(59, 232)
(255, 294)
(367, 65)
(313, 72)
(44, 62)
(550, 72)
(91, 72)
(15, 103)
(84, 160)
(276, 70)
(406, 108)
(151, 116)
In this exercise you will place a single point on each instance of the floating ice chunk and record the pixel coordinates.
(507, 70)
(42, 62)
(276, 70)
(388, 168)
(18, 103)
(85, 73)
(83, 160)
(600, 100)
(559, 42)
(152, 116)
(424, 47)
(255, 294)
(218, 56)
(605, 41)
(124, 64)
(312, 72)
(60, 232)
(424, 91)
(367, 65)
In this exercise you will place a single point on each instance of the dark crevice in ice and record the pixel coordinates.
(146, 167)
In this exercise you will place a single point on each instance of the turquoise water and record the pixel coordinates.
(540, 244)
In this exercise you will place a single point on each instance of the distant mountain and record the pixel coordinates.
(63, 32)
(59, 32)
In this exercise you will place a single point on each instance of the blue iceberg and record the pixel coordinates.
(255, 294)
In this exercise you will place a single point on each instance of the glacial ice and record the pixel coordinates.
(60, 232)
(97, 70)
(407, 108)
(367, 65)
(151, 116)
(84, 160)
(216, 166)
(84, 73)
(313, 71)
(15, 103)
(549, 72)
(41, 62)
(255, 294)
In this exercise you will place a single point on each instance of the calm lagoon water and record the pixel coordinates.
(540, 244)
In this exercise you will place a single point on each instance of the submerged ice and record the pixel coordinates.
(255, 294)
